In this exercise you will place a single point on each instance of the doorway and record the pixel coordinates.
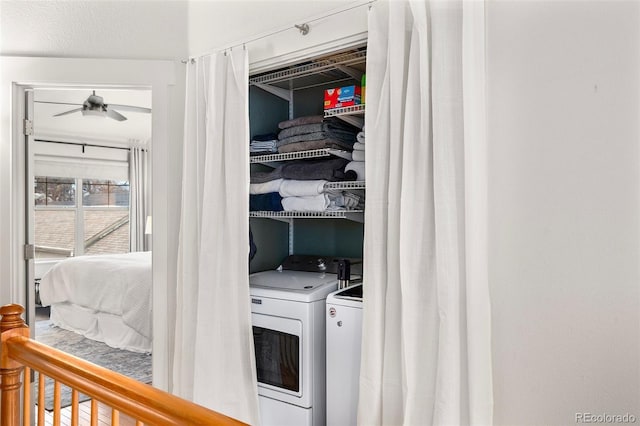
(20, 74)
(89, 197)
(89, 193)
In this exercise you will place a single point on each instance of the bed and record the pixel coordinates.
(103, 297)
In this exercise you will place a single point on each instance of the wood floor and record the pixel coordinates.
(104, 417)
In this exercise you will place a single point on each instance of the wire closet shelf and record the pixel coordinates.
(317, 71)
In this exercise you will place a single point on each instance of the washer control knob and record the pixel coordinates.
(339, 323)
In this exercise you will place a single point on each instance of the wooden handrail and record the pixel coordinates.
(141, 401)
(11, 326)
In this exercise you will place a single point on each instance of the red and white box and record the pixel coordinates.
(341, 97)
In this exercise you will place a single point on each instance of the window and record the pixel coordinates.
(67, 224)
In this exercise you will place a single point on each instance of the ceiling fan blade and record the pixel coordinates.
(68, 112)
(55, 103)
(115, 115)
(130, 108)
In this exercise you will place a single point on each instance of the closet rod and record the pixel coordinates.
(83, 144)
(193, 58)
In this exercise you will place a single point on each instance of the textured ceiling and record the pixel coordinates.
(94, 29)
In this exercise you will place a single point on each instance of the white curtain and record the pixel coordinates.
(426, 325)
(214, 360)
(139, 198)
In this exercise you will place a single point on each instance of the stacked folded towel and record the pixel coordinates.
(263, 144)
(311, 196)
(315, 132)
(271, 201)
(265, 187)
(331, 170)
(357, 165)
(300, 186)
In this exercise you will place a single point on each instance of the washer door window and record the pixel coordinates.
(277, 343)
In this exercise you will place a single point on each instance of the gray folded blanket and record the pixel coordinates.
(262, 177)
(331, 127)
(331, 169)
(347, 140)
(315, 144)
(310, 119)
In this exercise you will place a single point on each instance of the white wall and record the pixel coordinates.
(564, 80)
(219, 23)
(150, 29)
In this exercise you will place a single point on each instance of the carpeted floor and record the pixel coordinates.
(131, 364)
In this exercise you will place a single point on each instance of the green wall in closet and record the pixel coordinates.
(328, 237)
(271, 238)
(265, 111)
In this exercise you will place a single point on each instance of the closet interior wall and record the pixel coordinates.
(275, 238)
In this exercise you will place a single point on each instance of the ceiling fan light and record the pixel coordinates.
(94, 113)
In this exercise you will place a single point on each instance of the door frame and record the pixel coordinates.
(17, 74)
(29, 228)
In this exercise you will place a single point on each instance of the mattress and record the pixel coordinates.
(100, 296)
(101, 326)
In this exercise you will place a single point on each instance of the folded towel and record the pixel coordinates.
(263, 152)
(301, 188)
(300, 130)
(263, 143)
(266, 187)
(344, 200)
(265, 137)
(261, 177)
(358, 146)
(316, 203)
(310, 119)
(347, 138)
(265, 202)
(360, 137)
(327, 126)
(263, 146)
(330, 169)
(337, 121)
(358, 167)
(255, 152)
(358, 155)
(317, 144)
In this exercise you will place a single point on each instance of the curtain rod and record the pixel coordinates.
(303, 28)
(82, 144)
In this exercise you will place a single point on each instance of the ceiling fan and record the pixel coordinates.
(94, 106)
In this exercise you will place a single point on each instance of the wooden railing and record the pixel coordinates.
(145, 404)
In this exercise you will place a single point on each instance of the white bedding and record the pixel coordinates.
(99, 326)
(116, 284)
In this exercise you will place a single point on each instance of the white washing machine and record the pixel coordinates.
(288, 319)
(344, 333)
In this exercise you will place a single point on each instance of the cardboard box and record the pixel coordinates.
(341, 97)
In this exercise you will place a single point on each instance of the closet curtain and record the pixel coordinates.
(214, 360)
(139, 198)
(426, 347)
